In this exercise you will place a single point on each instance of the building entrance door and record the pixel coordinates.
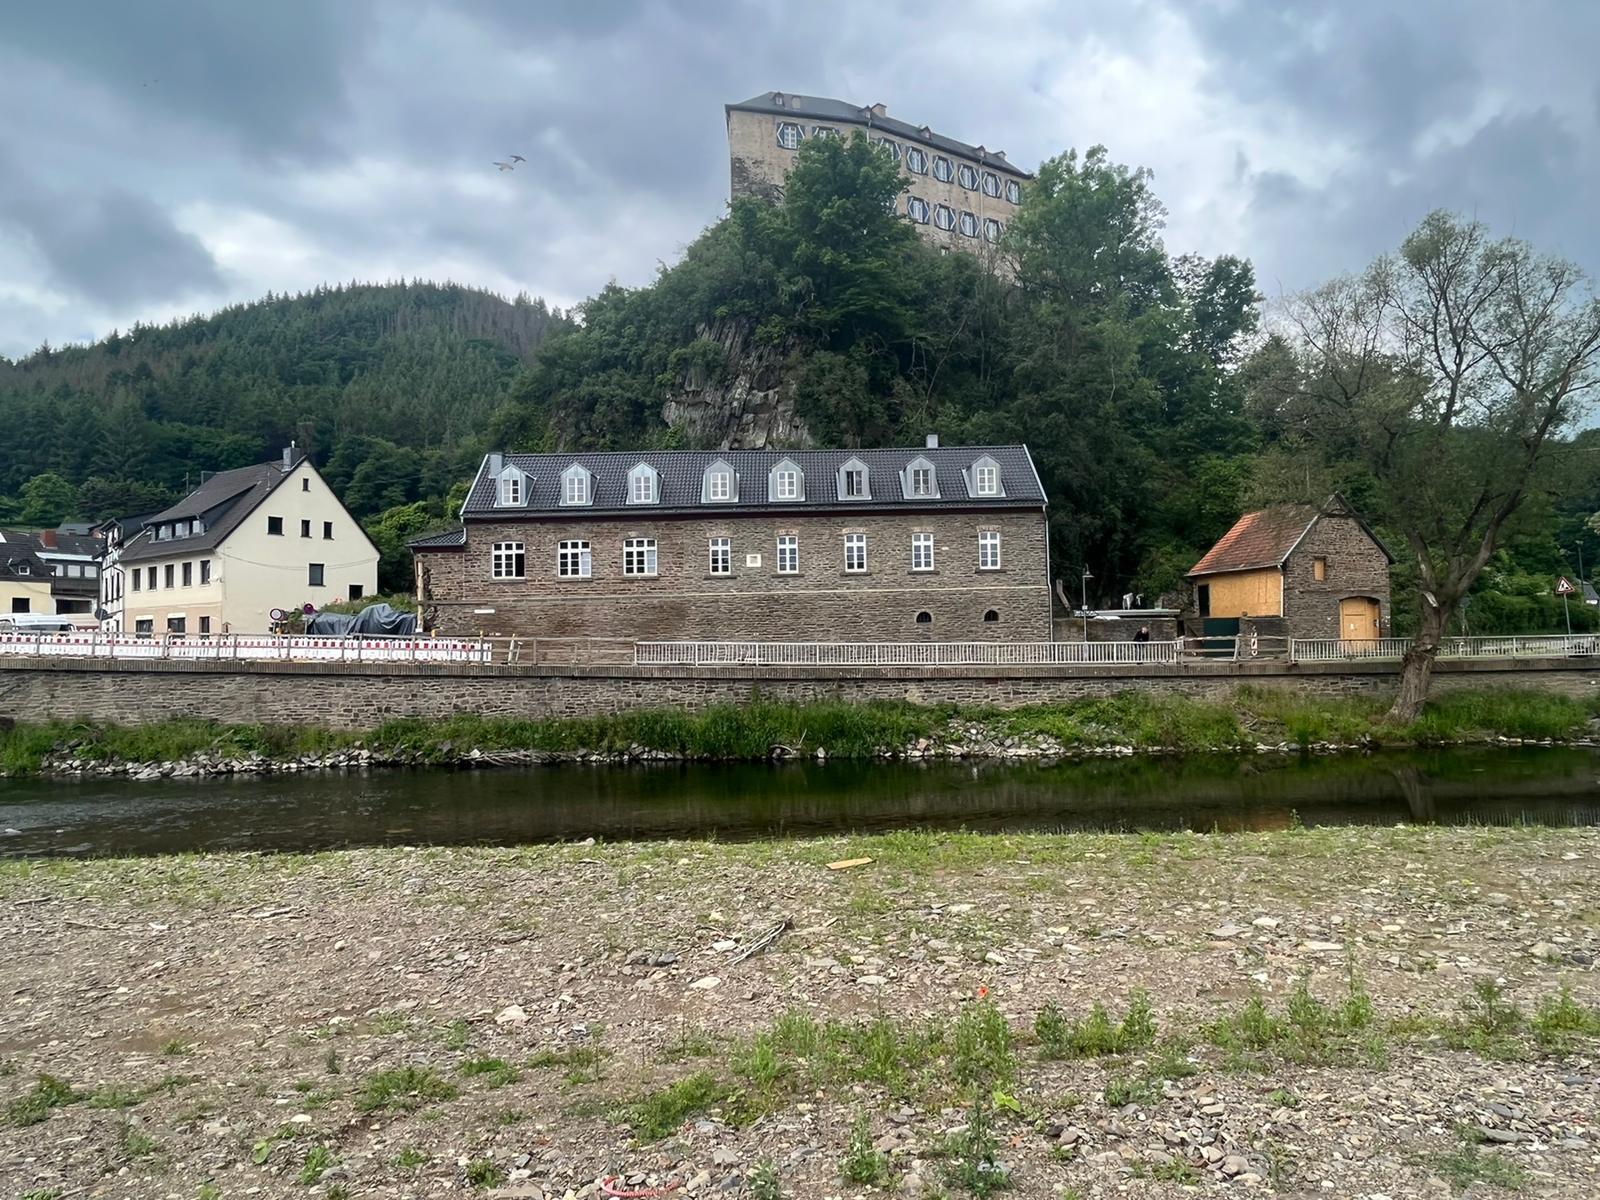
(1358, 619)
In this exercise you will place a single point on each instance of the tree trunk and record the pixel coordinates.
(1416, 669)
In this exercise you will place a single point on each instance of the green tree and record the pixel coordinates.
(47, 500)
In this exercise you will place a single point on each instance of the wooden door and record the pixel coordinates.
(1358, 619)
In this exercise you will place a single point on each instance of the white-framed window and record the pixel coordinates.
(853, 483)
(790, 135)
(969, 224)
(575, 485)
(916, 160)
(991, 184)
(992, 229)
(944, 217)
(892, 148)
(507, 561)
(788, 553)
(986, 479)
(943, 169)
(824, 131)
(920, 480)
(922, 551)
(639, 556)
(719, 485)
(989, 550)
(643, 485)
(968, 177)
(855, 553)
(917, 209)
(573, 560)
(786, 485)
(721, 556)
(511, 488)
(1013, 191)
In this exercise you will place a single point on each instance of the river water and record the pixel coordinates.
(1555, 786)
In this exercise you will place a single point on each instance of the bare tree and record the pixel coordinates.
(1445, 371)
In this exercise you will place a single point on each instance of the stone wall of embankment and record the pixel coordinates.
(360, 696)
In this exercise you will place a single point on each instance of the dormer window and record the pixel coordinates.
(786, 482)
(984, 478)
(513, 488)
(644, 485)
(919, 481)
(853, 483)
(576, 485)
(719, 485)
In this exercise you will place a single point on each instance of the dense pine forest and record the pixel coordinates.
(1139, 378)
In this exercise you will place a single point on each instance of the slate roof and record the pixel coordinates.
(224, 500)
(681, 473)
(1267, 537)
(444, 539)
(823, 109)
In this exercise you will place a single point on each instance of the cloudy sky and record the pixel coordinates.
(168, 157)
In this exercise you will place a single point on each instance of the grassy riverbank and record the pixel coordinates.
(1338, 1011)
(1251, 717)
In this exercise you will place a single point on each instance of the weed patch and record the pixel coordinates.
(47, 1093)
(1096, 1035)
(403, 1089)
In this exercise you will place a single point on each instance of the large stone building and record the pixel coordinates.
(244, 542)
(931, 544)
(958, 196)
(1296, 570)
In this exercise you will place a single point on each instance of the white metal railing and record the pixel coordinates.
(899, 654)
(247, 647)
(1522, 646)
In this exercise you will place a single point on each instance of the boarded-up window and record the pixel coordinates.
(1319, 569)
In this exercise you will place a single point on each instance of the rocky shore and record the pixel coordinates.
(1347, 1012)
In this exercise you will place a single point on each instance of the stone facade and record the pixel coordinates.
(361, 696)
(1355, 567)
(759, 161)
(683, 601)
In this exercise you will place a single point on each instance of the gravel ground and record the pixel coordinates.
(238, 1025)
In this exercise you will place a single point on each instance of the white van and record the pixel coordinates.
(36, 623)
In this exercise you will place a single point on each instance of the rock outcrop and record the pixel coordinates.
(734, 393)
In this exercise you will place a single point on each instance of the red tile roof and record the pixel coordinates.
(1258, 539)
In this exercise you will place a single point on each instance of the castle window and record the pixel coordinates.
(991, 229)
(643, 485)
(969, 177)
(790, 135)
(917, 209)
(721, 554)
(944, 217)
(824, 131)
(922, 551)
(924, 618)
(1013, 191)
(991, 184)
(855, 553)
(892, 148)
(989, 550)
(573, 560)
(788, 554)
(719, 485)
(969, 224)
(786, 482)
(639, 556)
(916, 160)
(943, 169)
(1319, 569)
(506, 561)
(576, 485)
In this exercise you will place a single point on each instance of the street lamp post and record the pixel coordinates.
(1084, 606)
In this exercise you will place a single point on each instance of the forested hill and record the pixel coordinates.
(389, 386)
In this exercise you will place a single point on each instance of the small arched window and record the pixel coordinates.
(991, 617)
(924, 618)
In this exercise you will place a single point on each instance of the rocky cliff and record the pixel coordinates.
(731, 391)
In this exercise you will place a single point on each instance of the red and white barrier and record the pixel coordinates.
(247, 647)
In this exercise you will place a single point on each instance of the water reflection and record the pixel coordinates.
(1490, 786)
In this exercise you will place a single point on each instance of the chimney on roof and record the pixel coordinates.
(879, 110)
(290, 458)
(933, 441)
(205, 475)
(47, 539)
(497, 462)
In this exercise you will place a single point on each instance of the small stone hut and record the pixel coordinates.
(1294, 570)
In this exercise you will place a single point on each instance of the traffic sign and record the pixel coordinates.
(1564, 587)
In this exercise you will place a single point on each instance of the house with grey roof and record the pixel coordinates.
(927, 543)
(957, 195)
(245, 542)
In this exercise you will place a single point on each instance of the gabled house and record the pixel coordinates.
(1295, 570)
(918, 544)
(243, 543)
(50, 572)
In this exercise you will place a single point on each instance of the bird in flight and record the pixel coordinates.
(516, 158)
(505, 166)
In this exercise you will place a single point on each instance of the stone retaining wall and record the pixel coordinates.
(359, 696)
